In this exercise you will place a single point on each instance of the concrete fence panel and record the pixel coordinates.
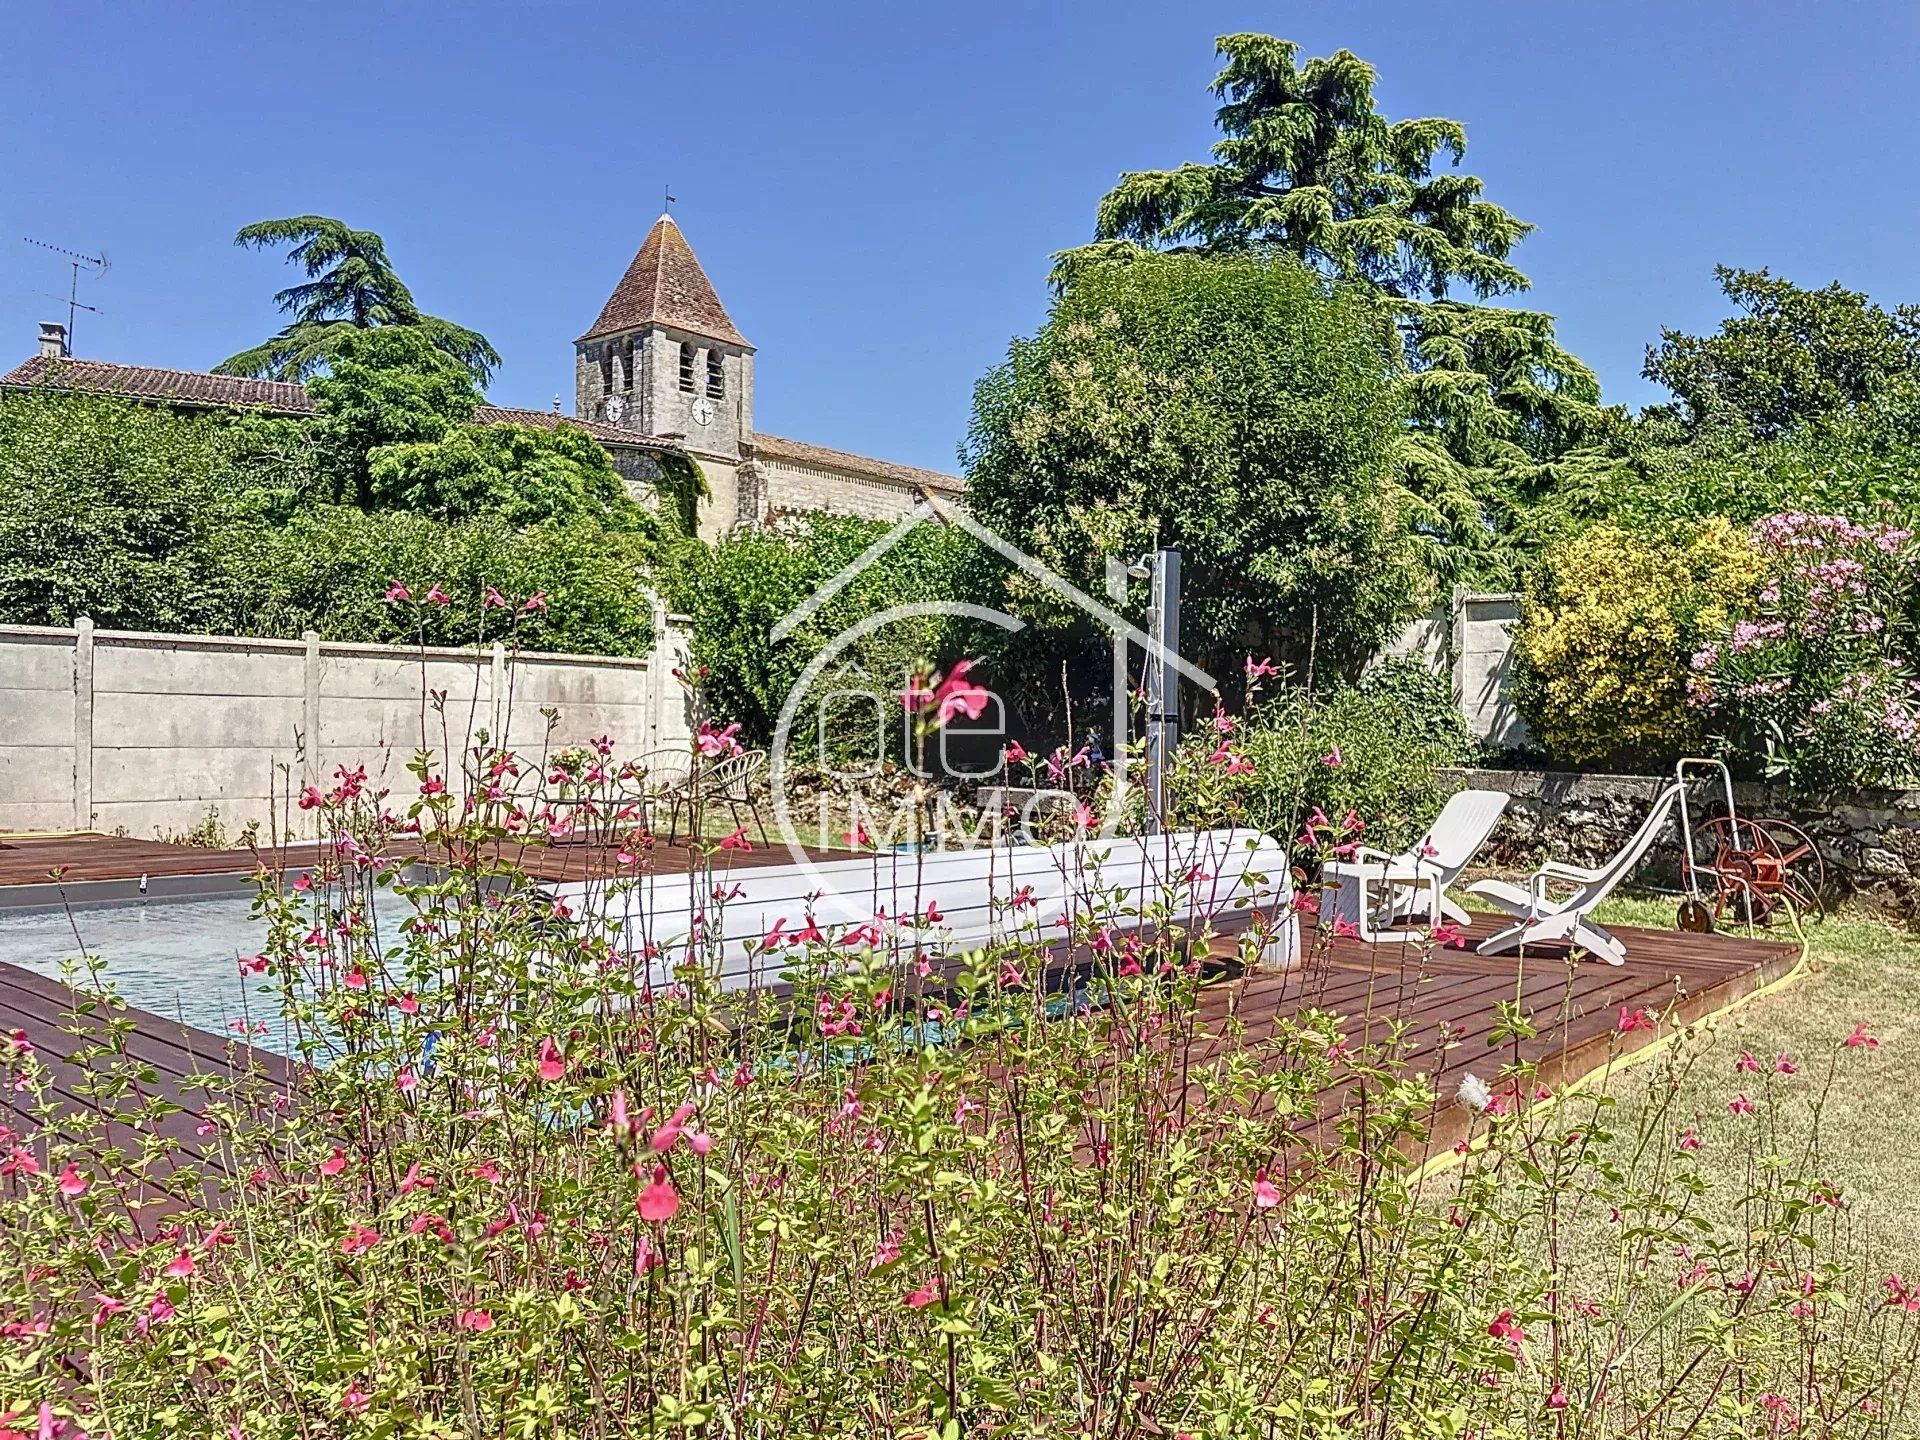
(1469, 641)
(148, 733)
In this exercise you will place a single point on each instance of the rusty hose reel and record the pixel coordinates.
(1741, 870)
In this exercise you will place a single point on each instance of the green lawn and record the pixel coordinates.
(1862, 971)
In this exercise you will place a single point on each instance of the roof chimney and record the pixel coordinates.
(53, 340)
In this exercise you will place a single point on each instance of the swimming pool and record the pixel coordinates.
(176, 958)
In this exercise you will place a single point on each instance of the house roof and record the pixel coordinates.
(666, 286)
(148, 382)
(199, 390)
(798, 452)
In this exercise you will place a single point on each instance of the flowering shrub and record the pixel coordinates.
(533, 1177)
(1607, 622)
(1370, 749)
(1817, 683)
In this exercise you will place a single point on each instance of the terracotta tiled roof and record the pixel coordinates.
(226, 392)
(666, 286)
(800, 453)
(146, 382)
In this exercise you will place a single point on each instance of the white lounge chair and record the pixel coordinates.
(1539, 919)
(1448, 847)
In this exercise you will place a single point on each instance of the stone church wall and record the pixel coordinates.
(792, 488)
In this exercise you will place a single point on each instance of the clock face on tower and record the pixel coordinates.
(616, 408)
(702, 411)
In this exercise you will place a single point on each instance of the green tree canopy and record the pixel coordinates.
(386, 387)
(738, 590)
(522, 473)
(102, 501)
(1240, 408)
(1791, 357)
(351, 285)
(1307, 164)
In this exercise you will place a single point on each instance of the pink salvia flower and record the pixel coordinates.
(958, 695)
(713, 744)
(72, 1183)
(923, 1296)
(358, 1240)
(888, 1251)
(1859, 1039)
(668, 1135)
(552, 1063)
(659, 1202)
(1265, 1194)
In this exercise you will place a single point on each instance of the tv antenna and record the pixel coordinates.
(96, 265)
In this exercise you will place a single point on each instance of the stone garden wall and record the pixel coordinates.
(1869, 839)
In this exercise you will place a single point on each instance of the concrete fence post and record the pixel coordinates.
(657, 679)
(497, 699)
(83, 723)
(672, 650)
(310, 711)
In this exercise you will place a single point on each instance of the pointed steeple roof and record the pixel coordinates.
(666, 286)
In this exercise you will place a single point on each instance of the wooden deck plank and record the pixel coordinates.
(34, 859)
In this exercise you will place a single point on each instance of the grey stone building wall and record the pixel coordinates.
(791, 488)
(640, 371)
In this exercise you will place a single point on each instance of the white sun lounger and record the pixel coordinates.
(1447, 848)
(1539, 919)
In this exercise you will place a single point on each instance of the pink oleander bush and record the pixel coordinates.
(534, 1179)
(1816, 685)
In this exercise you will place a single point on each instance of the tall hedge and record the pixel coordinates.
(146, 518)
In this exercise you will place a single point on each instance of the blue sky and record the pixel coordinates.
(875, 188)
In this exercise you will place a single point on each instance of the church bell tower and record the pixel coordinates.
(664, 358)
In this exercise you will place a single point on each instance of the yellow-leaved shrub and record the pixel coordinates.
(1607, 623)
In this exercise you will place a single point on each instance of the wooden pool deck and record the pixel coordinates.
(1447, 999)
(55, 869)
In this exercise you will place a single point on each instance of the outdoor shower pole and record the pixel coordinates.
(1163, 696)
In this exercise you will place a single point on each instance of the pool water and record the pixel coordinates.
(177, 958)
